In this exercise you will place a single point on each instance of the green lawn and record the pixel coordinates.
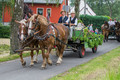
(4, 49)
(105, 67)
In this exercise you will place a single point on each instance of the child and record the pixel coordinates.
(96, 31)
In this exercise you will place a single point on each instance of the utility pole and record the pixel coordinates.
(84, 7)
(66, 7)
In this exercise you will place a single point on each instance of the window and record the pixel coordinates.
(40, 11)
(49, 12)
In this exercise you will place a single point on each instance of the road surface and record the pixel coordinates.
(12, 70)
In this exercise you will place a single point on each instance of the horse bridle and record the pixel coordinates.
(19, 33)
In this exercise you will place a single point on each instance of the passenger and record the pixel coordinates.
(115, 20)
(91, 28)
(48, 17)
(96, 31)
(72, 22)
(111, 23)
(63, 18)
(27, 12)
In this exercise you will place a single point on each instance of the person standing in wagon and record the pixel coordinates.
(72, 22)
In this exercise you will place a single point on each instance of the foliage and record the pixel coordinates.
(97, 21)
(4, 31)
(105, 67)
(0, 10)
(6, 3)
(80, 21)
(108, 17)
(106, 7)
(4, 48)
(12, 57)
(90, 37)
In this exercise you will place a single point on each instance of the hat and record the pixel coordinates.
(72, 12)
(62, 11)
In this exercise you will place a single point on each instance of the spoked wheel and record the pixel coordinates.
(94, 50)
(118, 38)
(81, 51)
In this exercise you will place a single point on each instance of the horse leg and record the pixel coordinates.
(107, 36)
(36, 57)
(104, 36)
(22, 60)
(44, 59)
(61, 50)
(47, 56)
(32, 54)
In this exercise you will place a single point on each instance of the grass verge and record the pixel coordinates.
(105, 67)
(4, 49)
(12, 57)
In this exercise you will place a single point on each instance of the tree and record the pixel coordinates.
(17, 15)
(106, 7)
(76, 3)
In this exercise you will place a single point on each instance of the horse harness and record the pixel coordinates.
(47, 34)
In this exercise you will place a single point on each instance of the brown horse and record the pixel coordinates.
(46, 34)
(23, 38)
(117, 30)
(105, 30)
(117, 26)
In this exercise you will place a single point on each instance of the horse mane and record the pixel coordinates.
(117, 25)
(42, 20)
(43, 24)
(106, 23)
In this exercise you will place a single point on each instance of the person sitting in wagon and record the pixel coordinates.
(72, 22)
(111, 23)
(63, 18)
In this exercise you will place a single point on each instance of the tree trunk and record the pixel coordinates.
(17, 15)
(110, 8)
(77, 3)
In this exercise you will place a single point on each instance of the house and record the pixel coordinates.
(41, 7)
(82, 9)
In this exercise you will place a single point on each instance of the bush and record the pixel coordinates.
(97, 21)
(4, 31)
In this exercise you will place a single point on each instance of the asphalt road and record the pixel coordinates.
(12, 70)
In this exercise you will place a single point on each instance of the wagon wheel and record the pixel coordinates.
(118, 38)
(94, 49)
(81, 51)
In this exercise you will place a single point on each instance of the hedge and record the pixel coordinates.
(4, 31)
(97, 21)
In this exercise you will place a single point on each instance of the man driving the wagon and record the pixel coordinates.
(72, 23)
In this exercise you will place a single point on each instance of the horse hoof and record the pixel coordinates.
(23, 64)
(43, 68)
(50, 64)
(35, 61)
(58, 64)
(32, 64)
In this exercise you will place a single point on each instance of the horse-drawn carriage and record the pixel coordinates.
(111, 31)
(38, 33)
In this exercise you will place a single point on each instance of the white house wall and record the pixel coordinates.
(81, 7)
